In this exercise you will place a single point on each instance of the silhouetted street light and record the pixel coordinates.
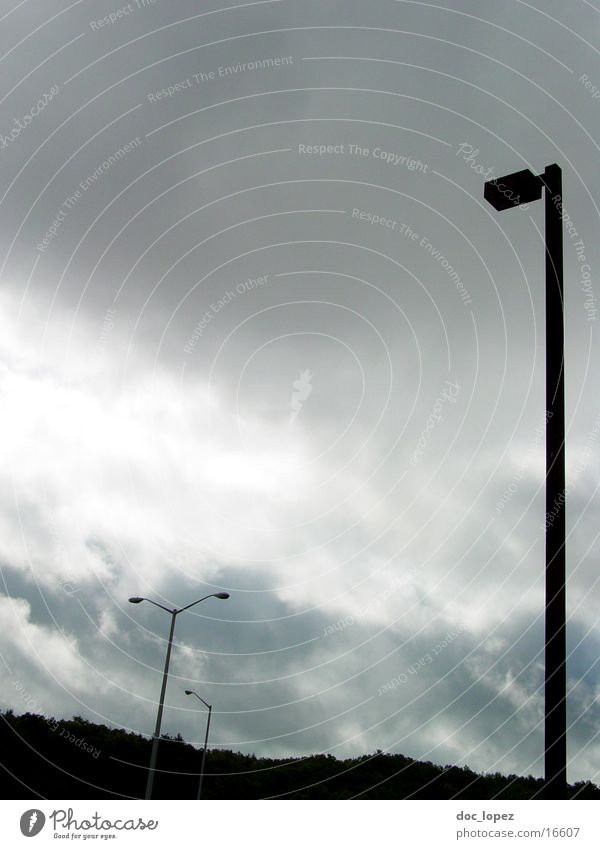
(192, 693)
(503, 193)
(174, 612)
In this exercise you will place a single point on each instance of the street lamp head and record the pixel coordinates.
(221, 595)
(189, 692)
(136, 599)
(513, 190)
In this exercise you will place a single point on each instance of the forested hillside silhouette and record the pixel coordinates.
(77, 759)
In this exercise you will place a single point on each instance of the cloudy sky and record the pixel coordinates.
(261, 333)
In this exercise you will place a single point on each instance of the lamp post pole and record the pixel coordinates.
(163, 689)
(202, 765)
(504, 193)
(192, 693)
(555, 625)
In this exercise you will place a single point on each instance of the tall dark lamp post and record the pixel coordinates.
(203, 764)
(136, 600)
(503, 193)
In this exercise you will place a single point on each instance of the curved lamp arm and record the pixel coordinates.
(137, 599)
(211, 595)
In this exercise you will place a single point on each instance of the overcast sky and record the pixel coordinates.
(261, 333)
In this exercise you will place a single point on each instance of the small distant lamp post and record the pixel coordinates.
(504, 193)
(156, 738)
(192, 693)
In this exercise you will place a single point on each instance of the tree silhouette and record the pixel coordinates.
(77, 759)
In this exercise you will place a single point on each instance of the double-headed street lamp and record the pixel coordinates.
(193, 693)
(504, 193)
(174, 612)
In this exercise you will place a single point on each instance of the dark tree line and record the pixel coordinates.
(77, 759)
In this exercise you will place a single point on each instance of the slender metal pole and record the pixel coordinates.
(204, 753)
(161, 703)
(555, 731)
